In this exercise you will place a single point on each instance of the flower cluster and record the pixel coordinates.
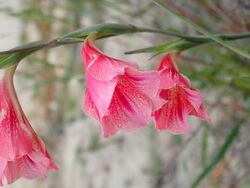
(121, 97)
(118, 95)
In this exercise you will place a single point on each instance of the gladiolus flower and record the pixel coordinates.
(22, 153)
(117, 95)
(180, 98)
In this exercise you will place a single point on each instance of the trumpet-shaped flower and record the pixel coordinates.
(180, 98)
(22, 153)
(118, 95)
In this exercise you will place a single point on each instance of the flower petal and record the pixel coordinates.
(33, 165)
(101, 93)
(22, 153)
(196, 107)
(89, 107)
(147, 82)
(15, 141)
(102, 76)
(3, 164)
(201, 113)
(100, 66)
(170, 76)
(104, 68)
(194, 97)
(172, 115)
(180, 98)
(130, 107)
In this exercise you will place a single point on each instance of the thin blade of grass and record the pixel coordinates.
(229, 140)
(204, 144)
(173, 46)
(201, 30)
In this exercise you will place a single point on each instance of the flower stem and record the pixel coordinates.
(73, 38)
(13, 56)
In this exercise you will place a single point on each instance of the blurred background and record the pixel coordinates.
(50, 85)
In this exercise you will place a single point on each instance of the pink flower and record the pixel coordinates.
(22, 153)
(118, 95)
(180, 98)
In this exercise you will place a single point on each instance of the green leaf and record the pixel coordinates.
(106, 30)
(15, 55)
(242, 82)
(201, 30)
(10, 59)
(204, 144)
(174, 46)
(229, 140)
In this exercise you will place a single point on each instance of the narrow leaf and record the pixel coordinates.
(174, 46)
(229, 140)
(243, 81)
(204, 144)
(201, 30)
(7, 60)
(106, 30)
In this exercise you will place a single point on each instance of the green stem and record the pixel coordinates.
(13, 56)
(201, 30)
(79, 35)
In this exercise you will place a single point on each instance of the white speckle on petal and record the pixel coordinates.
(2, 115)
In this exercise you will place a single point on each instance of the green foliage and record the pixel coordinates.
(201, 30)
(242, 82)
(185, 43)
(10, 59)
(105, 30)
(228, 142)
(174, 46)
(13, 56)
(204, 145)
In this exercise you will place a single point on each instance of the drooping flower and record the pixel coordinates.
(22, 152)
(180, 98)
(117, 95)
